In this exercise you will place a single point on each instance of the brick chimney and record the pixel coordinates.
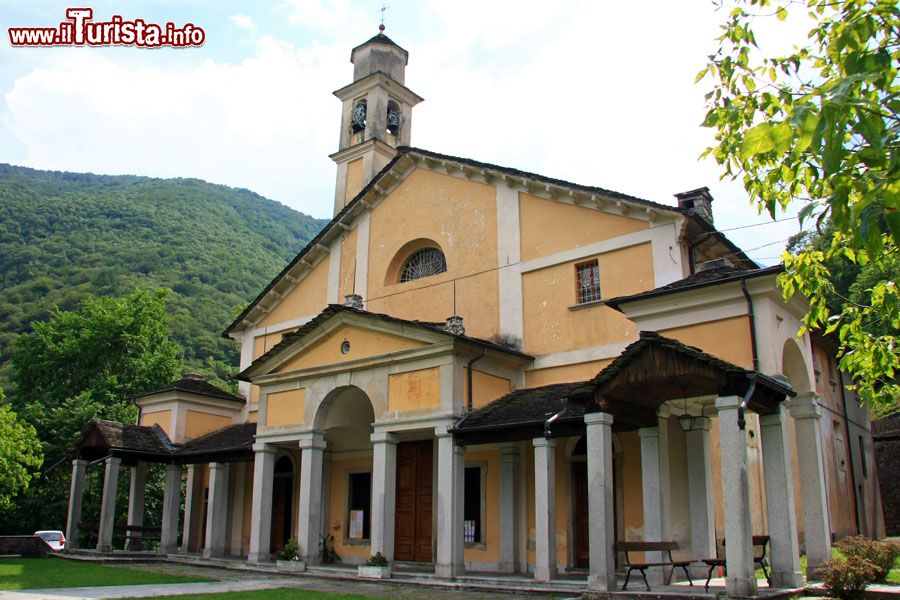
(697, 201)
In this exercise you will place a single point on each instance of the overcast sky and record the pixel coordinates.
(599, 93)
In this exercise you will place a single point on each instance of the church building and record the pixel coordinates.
(476, 369)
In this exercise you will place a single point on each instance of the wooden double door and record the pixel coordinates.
(412, 534)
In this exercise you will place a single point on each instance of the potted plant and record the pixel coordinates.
(376, 567)
(288, 558)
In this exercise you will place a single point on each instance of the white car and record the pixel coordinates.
(55, 539)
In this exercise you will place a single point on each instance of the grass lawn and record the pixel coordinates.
(30, 573)
(274, 594)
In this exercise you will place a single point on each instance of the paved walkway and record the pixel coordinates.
(141, 591)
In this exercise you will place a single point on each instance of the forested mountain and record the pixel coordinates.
(68, 236)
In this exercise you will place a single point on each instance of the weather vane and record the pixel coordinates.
(382, 10)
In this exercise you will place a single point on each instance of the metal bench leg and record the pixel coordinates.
(687, 574)
(709, 578)
(627, 577)
(644, 575)
(765, 571)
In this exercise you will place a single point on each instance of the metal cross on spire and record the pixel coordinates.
(382, 10)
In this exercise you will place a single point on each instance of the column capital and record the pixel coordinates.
(664, 411)
(598, 418)
(542, 442)
(775, 419)
(443, 431)
(728, 402)
(806, 407)
(113, 460)
(384, 437)
(260, 447)
(79, 462)
(646, 432)
(314, 440)
(508, 451)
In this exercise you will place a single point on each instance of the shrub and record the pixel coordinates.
(847, 579)
(378, 560)
(880, 554)
(290, 551)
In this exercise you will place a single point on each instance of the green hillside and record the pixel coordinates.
(67, 236)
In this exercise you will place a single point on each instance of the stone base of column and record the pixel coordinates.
(259, 558)
(506, 567)
(601, 584)
(104, 548)
(545, 573)
(738, 587)
(449, 571)
(787, 580)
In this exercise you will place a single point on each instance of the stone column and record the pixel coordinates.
(509, 508)
(544, 509)
(741, 579)
(193, 501)
(783, 547)
(384, 490)
(261, 508)
(76, 497)
(450, 495)
(816, 531)
(217, 510)
(602, 526)
(652, 490)
(309, 530)
(136, 493)
(699, 468)
(237, 480)
(168, 537)
(108, 504)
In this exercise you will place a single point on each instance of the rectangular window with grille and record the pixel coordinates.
(587, 282)
(472, 506)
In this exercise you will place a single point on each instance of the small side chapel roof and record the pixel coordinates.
(334, 309)
(515, 174)
(193, 384)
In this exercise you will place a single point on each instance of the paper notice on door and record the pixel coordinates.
(356, 524)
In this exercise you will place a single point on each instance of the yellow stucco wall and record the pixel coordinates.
(551, 325)
(578, 225)
(728, 339)
(632, 487)
(460, 216)
(163, 418)
(307, 298)
(338, 507)
(348, 265)
(363, 343)
(490, 460)
(414, 390)
(248, 507)
(487, 388)
(285, 408)
(198, 423)
(354, 179)
(566, 373)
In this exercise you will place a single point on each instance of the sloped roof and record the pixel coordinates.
(228, 439)
(700, 279)
(194, 384)
(404, 151)
(334, 309)
(379, 38)
(102, 436)
(626, 388)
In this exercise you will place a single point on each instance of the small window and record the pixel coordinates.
(587, 282)
(423, 263)
(472, 506)
(360, 496)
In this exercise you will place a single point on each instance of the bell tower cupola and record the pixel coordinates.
(376, 116)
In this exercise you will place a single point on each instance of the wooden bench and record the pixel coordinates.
(665, 550)
(759, 558)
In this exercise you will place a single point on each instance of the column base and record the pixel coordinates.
(449, 571)
(787, 580)
(104, 548)
(602, 583)
(259, 558)
(545, 573)
(740, 587)
(507, 567)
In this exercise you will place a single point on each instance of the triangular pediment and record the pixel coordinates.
(339, 336)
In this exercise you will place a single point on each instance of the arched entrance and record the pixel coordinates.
(282, 503)
(580, 501)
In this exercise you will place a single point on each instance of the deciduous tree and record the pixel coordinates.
(820, 126)
(20, 454)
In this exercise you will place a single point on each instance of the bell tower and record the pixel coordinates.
(376, 115)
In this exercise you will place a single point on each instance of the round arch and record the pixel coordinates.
(395, 268)
(346, 416)
(795, 368)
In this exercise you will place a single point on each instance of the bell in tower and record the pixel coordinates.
(376, 115)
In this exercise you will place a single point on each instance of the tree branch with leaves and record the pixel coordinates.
(820, 126)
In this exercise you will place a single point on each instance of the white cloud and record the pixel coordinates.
(243, 22)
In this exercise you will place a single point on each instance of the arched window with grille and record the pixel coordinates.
(424, 262)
